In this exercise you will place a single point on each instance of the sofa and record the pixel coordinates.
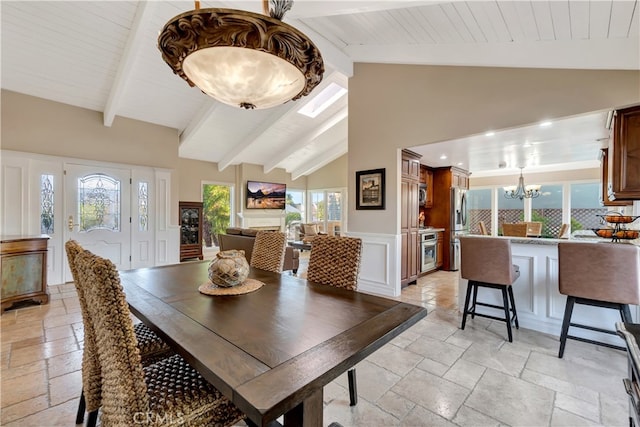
(244, 238)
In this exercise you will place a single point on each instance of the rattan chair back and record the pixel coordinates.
(335, 261)
(268, 251)
(91, 375)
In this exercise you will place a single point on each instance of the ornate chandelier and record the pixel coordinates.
(241, 58)
(521, 191)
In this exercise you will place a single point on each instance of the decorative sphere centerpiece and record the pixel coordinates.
(229, 268)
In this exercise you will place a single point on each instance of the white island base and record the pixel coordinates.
(539, 304)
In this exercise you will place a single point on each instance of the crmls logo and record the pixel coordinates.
(156, 418)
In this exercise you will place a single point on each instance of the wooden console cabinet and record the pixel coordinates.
(624, 155)
(24, 270)
(190, 230)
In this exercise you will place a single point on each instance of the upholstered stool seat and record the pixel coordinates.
(486, 263)
(597, 274)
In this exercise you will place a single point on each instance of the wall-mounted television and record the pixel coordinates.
(266, 195)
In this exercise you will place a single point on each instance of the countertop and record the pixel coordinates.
(550, 242)
(429, 230)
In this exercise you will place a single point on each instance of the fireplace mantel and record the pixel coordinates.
(262, 220)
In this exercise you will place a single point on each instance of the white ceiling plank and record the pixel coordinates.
(498, 23)
(329, 155)
(561, 19)
(415, 30)
(198, 121)
(470, 22)
(511, 20)
(599, 19)
(315, 8)
(456, 21)
(134, 43)
(527, 20)
(303, 140)
(422, 14)
(330, 54)
(634, 31)
(484, 21)
(234, 154)
(579, 19)
(441, 22)
(621, 17)
(542, 13)
(607, 54)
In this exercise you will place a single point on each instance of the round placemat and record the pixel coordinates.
(249, 285)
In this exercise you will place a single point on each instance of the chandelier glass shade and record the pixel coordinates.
(241, 58)
(521, 191)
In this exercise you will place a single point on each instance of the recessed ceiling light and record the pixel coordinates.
(490, 133)
(323, 100)
(545, 123)
(444, 156)
(460, 163)
(526, 145)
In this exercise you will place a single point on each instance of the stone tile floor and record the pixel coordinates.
(433, 374)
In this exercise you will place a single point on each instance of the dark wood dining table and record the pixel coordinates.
(270, 351)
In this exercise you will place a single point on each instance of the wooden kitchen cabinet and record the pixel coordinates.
(439, 216)
(429, 202)
(604, 182)
(459, 178)
(409, 211)
(24, 270)
(426, 178)
(624, 156)
(190, 230)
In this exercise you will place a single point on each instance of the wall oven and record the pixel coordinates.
(428, 251)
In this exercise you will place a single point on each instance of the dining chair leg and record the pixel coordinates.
(353, 389)
(93, 419)
(82, 405)
(568, 310)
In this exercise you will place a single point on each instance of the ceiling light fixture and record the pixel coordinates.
(241, 58)
(521, 191)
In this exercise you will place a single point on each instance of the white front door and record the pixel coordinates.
(98, 212)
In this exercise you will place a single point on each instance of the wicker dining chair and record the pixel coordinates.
(163, 393)
(483, 229)
(268, 251)
(335, 261)
(514, 230)
(151, 346)
(534, 228)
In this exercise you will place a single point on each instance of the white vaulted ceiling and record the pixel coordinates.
(103, 56)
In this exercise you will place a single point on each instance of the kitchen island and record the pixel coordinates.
(539, 303)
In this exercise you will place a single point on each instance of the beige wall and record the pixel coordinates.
(191, 174)
(396, 106)
(333, 175)
(36, 125)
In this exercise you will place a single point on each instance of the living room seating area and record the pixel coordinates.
(244, 239)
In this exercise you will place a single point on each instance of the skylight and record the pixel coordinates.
(323, 100)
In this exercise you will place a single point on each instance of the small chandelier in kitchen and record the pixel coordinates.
(521, 191)
(241, 58)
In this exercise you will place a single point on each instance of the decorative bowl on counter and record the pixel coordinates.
(618, 218)
(610, 233)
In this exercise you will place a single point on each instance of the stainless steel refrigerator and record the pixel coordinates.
(459, 224)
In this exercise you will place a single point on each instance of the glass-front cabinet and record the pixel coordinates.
(190, 230)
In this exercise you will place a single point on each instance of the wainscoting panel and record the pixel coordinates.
(379, 272)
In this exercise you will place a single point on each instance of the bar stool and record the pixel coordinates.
(601, 275)
(486, 263)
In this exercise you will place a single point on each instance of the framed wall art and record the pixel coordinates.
(370, 189)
